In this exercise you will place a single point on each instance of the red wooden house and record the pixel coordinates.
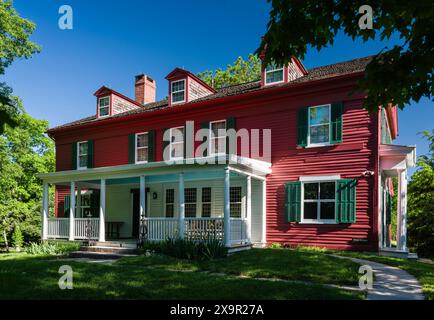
(315, 170)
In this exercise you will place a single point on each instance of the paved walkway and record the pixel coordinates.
(390, 283)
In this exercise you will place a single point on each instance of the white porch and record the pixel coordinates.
(394, 162)
(137, 197)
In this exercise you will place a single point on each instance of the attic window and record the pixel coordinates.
(273, 74)
(104, 106)
(178, 91)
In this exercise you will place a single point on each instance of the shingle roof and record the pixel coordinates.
(318, 73)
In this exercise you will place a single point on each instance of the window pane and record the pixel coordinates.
(235, 194)
(104, 102)
(177, 134)
(206, 194)
(327, 190)
(169, 211)
(215, 126)
(311, 191)
(104, 111)
(142, 154)
(177, 86)
(319, 115)
(327, 210)
(142, 140)
(178, 96)
(235, 210)
(190, 195)
(190, 210)
(310, 210)
(218, 145)
(83, 161)
(170, 195)
(274, 76)
(319, 134)
(177, 150)
(206, 210)
(82, 148)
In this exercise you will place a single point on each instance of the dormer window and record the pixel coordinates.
(273, 74)
(178, 91)
(104, 106)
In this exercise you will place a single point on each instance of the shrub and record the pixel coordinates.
(276, 245)
(52, 248)
(17, 238)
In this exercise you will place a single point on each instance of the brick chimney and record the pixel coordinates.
(145, 89)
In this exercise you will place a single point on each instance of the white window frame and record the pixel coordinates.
(171, 203)
(318, 201)
(78, 155)
(322, 144)
(282, 68)
(240, 202)
(99, 106)
(195, 203)
(173, 143)
(172, 92)
(83, 195)
(211, 138)
(137, 148)
(205, 202)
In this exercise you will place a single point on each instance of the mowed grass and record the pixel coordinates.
(24, 276)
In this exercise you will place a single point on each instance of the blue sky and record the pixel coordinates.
(114, 40)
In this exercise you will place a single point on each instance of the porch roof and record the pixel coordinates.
(396, 157)
(236, 163)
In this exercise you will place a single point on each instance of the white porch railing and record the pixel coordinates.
(58, 228)
(85, 228)
(239, 230)
(159, 229)
(204, 228)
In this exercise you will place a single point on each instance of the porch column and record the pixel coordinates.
(45, 199)
(227, 209)
(249, 207)
(72, 212)
(78, 206)
(401, 234)
(142, 197)
(181, 216)
(264, 212)
(101, 236)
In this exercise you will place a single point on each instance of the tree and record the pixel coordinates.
(17, 238)
(14, 43)
(24, 151)
(421, 203)
(240, 72)
(396, 75)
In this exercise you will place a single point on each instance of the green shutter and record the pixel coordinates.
(165, 143)
(302, 115)
(293, 201)
(90, 152)
(336, 123)
(345, 209)
(74, 156)
(230, 124)
(66, 205)
(132, 148)
(151, 146)
(205, 125)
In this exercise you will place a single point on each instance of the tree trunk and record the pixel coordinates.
(6, 240)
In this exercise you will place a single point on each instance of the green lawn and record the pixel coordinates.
(24, 276)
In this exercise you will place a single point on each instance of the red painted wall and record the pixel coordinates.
(357, 153)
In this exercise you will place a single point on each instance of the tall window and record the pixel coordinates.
(178, 91)
(273, 74)
(235, 202)
(142, 147)
(206, 202)
(319, 201)
(104, 106)
(319, 124)
(190, 195)
(177, 143)
(218, 137)
(170, 203)
(82, 154)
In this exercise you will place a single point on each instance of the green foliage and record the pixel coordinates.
(52, 248)
(421, 203)
(17, 238)
(240, 72)
(14, 43)
(188, 249)
(397, 75)
(276, 245)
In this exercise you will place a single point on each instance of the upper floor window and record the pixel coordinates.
(319, 125)
(82, 154)
(273, 74)
(142, 145)
(319, 202)
(218, 137)
(178, 91)
(104, 106)
(177, 143)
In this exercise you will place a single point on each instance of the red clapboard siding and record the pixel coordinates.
(357, 153)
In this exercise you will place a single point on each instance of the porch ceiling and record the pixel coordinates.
(396, 157)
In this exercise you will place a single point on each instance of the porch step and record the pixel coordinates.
(98, 255)
(239, 247)
(398, 253)
(106, 249)
(114, 244)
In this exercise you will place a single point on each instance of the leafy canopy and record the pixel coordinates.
(14, 43)
(398, 75)
(241, 71)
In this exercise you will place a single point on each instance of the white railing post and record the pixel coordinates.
(45, 202)
(227, 209)
(264, 212)
(101, 234)
(181, 206)
(249, 208)
(72, 212)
